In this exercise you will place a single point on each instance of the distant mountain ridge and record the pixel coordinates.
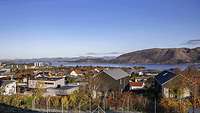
(161, 56)
(81, 59)
(146, 56)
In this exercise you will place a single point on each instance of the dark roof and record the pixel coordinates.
(164, 77)
(116, 73)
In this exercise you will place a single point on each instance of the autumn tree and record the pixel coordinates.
(39, 90)
(192, 81)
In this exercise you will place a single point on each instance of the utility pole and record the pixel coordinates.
(67, 108)
(90, 105)
(104, 103)
(47, 106)
(33, 103)
(128, 104)
(79, 107)
(155, 106)
(98, 109)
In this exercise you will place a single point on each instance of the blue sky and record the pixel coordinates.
(68, 28)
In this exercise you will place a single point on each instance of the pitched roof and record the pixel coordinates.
(116, 73)
(5, 82)
(164, 77)
(135, 83)
(78, 71)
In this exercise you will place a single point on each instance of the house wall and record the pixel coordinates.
(46, 84)
(168, 89)
(136, 87)
(169, 94)
(165, 92)
(124, 82)
(60, 92)
(140, 79)
(105, 83)
(186, 93)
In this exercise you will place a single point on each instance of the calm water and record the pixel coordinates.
(147, 66)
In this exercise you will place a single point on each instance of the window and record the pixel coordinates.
(49, 83)
(166, 92)
(120, 81)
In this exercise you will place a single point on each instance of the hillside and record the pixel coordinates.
(161, 56)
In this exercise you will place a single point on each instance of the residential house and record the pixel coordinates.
(41, 75)
(2, 74)
(141, 79)
(136, 86)
(97, 70)
(137, 72)
(150, 72)
(8, 87)
(168, 84)
(46, 82)
(76, 73)
(110, 80)
(25, 80)
(5, 74)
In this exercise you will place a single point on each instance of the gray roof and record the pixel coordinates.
(116, 73)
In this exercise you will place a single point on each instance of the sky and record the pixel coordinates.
(69, 28)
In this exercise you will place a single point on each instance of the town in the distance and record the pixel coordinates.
(43, 87)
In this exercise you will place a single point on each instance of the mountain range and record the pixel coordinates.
(146, 56)
(161, 56)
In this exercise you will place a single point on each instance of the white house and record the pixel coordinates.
(97, 70)
(141, 79)
(8, 87)
(140, 73)
(45, 82)
(136, 85)
(3, 73)
(25, 80)
(76, 73)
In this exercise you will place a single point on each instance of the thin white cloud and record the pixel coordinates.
(195, 42)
